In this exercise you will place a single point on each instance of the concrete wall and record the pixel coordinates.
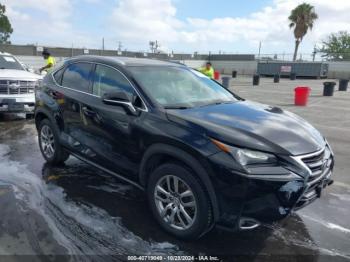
(194, 63)
(244, 64)
(336, 69)
(31, 50)
(242, 67)
(35, 62)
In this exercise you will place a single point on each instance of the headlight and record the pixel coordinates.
(246, 156)
(329, 147)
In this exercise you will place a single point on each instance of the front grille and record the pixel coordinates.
(319, 164)
(16, 87)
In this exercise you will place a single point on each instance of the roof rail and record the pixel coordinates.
(169, 61)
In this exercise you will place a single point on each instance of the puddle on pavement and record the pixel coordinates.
(77, 226)
(81, 210)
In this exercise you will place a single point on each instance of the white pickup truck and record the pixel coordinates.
(17, 86)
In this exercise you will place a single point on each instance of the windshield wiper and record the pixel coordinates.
(177, 107)
(218, 103)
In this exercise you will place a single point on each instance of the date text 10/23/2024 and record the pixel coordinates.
(173, 258)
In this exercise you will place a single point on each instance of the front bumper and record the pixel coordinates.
(17, 103)
(264, 198)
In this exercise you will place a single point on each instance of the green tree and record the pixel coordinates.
(301, 19)
(5, 26)
(337, 46)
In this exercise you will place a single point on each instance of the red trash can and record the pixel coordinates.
(301, 95)
(216, 75)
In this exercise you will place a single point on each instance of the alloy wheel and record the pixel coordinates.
(47, 141)
(175, 202)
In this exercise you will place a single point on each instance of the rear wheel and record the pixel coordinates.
(178, 201)
(49, 143)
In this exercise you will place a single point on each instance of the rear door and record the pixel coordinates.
(76, 88)
(116, 139)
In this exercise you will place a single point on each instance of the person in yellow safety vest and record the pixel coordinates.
(208, 70)
(50, 61)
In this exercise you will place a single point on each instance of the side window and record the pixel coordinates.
(77, 76)
(58, 76)
(107, 79)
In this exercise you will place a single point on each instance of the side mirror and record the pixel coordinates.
(120, 99)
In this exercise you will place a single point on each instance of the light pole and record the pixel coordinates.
(259, 50)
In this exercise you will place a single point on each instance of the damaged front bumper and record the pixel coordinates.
(269, 194)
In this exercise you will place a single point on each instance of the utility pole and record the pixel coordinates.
(259, 50)
(314, 54)
(120, 46)
(157, 46)
(103, 44)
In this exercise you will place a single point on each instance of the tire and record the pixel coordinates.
(48, 133)
(29, 115)
(197, 205)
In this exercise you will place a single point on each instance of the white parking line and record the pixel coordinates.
(338, 183)
(328, 224)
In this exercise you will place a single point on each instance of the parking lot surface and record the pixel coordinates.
(75, 212)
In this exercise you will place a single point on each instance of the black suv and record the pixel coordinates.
(203, 155)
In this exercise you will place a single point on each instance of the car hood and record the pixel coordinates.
(253, 125)
(18, 75)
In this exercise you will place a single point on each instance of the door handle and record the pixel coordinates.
(56, 95)
(88, 112)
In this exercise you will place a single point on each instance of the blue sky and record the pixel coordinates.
(234, 26)
(218, 8)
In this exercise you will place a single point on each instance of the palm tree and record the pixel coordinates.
(302, 19)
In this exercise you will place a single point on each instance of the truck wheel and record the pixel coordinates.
(179, 202)
(49, 143)
(30, 116)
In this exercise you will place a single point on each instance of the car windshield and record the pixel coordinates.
(9, 62)
(180, 87)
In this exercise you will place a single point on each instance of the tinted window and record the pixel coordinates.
(9, 62)
(107, 79)
(58, 76)
(77, 76)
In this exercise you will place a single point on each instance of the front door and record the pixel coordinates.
(115, 132)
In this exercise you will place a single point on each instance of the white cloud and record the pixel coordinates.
(56, 9)
(143, 20)
(135, 22)
(138, 20)
(48, 23)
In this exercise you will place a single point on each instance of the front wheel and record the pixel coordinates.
(178, 201)
(49, 143)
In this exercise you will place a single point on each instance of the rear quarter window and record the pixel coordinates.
(58, 76)
(77, 76)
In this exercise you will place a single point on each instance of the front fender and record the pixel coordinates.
(189, 160)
